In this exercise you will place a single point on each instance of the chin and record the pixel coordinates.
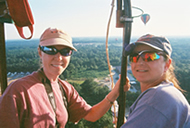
(141, 80)
(61, 71)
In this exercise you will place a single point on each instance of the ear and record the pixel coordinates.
(167, 65)
(39, 52)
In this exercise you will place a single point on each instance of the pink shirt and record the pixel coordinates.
(25, 104)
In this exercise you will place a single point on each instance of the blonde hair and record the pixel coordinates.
(170, 75)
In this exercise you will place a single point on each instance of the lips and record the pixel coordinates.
(57, 65)
(141, 70)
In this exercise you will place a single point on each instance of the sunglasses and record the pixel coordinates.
(147, 56)
(50, 50)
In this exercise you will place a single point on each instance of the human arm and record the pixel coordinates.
(98, 110)
(9, 114)
(13, 106)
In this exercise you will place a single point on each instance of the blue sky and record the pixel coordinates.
(89, 18)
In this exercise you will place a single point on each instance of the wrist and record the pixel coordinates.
(110, 101)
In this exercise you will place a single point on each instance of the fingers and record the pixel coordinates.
(127, 85)
(127, 80)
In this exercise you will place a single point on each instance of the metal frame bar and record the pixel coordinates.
(3, 68)
(126, 40)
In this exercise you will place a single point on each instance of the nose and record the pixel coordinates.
(59, 56)
(140, 60)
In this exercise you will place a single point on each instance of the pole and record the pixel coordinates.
(3, 68)
(126, 39)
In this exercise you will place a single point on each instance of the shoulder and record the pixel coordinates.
(69, 90)
(78, 108)
(164, 101)
(67, 86)
(167, 99)
(167, 93)
(162, 97)
(27, 80)
(164, 91)
(33, 77)
(22, 84)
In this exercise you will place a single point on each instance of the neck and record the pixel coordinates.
(52, 78)
(145, 86)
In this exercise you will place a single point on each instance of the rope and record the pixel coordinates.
(107, 54)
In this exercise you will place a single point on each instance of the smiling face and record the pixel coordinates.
(54, 65)
(150, 73)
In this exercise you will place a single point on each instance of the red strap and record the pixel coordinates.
(20, 31)
(22, 16)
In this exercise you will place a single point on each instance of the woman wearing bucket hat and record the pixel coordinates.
(41, 99)
(161, 103)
